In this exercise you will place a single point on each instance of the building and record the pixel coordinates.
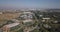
(8, 27)
(46, 18)
(27, 15)
(28, 22)
(40, 15)
(47, 26)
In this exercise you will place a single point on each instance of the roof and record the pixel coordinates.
(27, 12)
(28, 20)
(46, 18)
(12, 25)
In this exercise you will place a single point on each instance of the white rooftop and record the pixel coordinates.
(12, 25)
(40, 15)
(27, 12)
(28, 20)
(55, 21)
(46, 18)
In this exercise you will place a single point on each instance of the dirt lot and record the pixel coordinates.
(8, 16)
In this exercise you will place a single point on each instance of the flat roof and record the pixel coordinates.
(12, 25)
(28, 20)
(46, 18)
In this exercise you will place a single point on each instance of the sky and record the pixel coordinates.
(30, 3)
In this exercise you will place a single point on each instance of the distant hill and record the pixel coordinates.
(53, 10)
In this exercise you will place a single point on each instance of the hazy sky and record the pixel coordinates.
(30, 3)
